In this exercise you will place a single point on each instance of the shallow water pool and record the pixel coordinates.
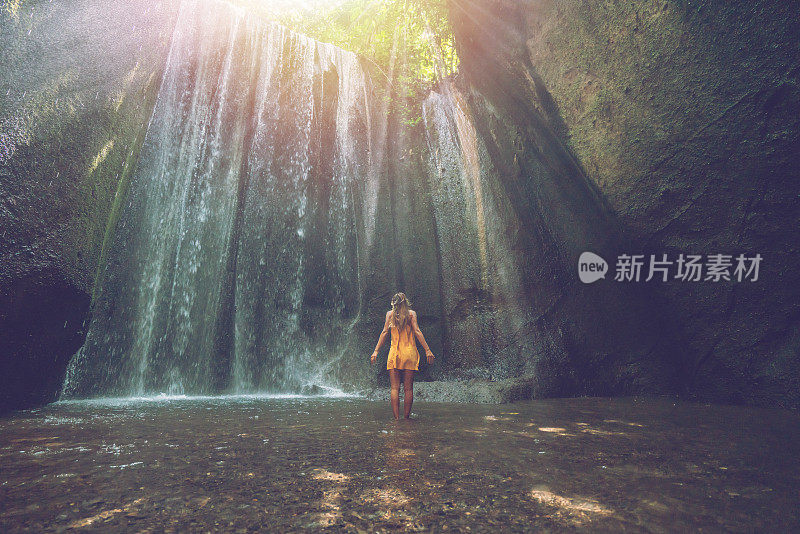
(247, 463)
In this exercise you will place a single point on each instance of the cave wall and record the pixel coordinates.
(513, 213)
(649, 127)
(79, 83)
(686, 117)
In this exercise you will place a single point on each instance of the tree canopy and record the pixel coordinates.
(409, 41)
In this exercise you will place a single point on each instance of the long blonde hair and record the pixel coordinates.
(400, 310)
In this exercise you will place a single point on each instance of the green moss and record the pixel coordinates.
(74, 137)
(120, 196)
(110, 192)
(632, 79)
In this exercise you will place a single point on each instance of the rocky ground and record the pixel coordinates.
(245, 464)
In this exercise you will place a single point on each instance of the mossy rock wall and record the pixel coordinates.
(675, 124)
(79, 83)
(686, 116)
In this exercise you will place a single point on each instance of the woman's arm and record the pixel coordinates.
(420, 337)
(382, 337)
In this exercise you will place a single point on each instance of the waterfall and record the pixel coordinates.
(235, 264)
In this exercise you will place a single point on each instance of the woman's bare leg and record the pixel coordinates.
(408, 391)
(394, 391)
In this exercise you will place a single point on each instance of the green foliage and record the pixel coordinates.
(409, 41)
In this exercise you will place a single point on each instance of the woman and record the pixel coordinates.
(403, 356)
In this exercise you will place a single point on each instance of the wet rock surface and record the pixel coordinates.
(244, 464)
(645, 127)
(275, 206)
(74, 106)
(685, 117)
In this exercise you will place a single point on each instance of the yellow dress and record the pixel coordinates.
(403, 352)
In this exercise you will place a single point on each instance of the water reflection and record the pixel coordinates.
(300, 463)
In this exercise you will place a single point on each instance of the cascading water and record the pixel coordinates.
(235, 264)
(278, 202)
